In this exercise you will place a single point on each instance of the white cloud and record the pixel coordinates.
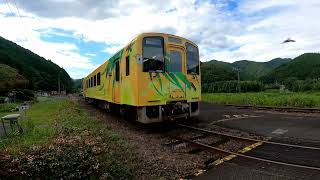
(262, 39)
(254, 30)
(112, 49)
(256, 6)
(90, 54)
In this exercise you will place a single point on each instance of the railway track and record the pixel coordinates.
(207, 147)
(281, 109)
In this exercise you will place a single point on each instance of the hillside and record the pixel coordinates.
(40, 73)
(10, 78)
(274, 63)
(214, 70)
(251, 70)
(306, 66)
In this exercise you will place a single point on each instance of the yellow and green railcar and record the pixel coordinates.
(156, 75)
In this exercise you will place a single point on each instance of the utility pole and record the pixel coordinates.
(59, 83)
(238, 73)
(239, 80)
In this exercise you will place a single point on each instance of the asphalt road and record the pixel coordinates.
(294, 128)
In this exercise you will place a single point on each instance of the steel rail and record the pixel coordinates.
(293, 109)
(249, 139)
(211, 148)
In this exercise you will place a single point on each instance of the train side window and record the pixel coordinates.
(127, 66)
(95, 80)
(192, 59)
(117, 68)
(98, 79)
(91, 81)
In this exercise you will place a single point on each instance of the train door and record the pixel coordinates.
(176, 70)
(116, 82)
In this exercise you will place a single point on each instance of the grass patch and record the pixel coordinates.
(37, 130)
(66, 142)
(311, 99)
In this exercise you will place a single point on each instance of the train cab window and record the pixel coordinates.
(153, 54)
(117, 69)
(192, 59)
(94, 80)
(98, 79)
(127, 66)
(175, 64)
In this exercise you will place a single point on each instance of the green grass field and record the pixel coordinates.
(61, 135)
(265, 99)
(37, 130)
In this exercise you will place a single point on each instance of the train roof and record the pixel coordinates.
(166, 34)
(143, 35)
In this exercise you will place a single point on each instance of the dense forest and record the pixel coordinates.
(25, 69)
(77, 84)
(306, 66)
(299, 74)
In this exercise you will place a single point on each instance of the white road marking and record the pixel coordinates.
(279, 131)
(227, 116)
(234, 118)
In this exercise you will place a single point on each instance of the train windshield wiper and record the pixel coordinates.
(152, 59)
(153, 65)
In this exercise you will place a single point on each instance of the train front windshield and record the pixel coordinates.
(153, 54)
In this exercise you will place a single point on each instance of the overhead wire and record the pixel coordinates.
(19, 15)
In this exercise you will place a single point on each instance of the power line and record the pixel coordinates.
(9, 6)
(15, 4)
(19, 15)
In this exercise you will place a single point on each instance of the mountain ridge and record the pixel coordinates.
(248, 70)
(305, 66)
(42, 74)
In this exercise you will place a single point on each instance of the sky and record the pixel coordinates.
(79, 35)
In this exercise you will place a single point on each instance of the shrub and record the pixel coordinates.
(2, 99)
(66, 158)
(24, 95)
(232, 86)
(7, 107)
(303, 85)
(265, 99)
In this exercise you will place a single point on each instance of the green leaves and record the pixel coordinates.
(67, 158)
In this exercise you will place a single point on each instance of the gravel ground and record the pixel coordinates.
(161, 156)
